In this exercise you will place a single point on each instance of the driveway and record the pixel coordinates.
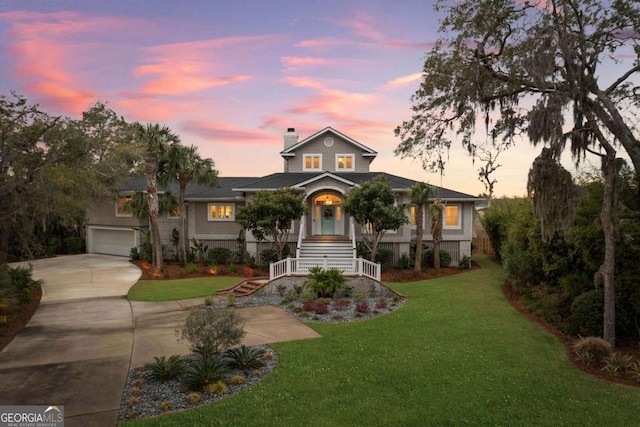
(78, 347)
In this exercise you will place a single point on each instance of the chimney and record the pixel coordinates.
(290, 138)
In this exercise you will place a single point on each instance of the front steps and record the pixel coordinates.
(316, 248)
(245, 288)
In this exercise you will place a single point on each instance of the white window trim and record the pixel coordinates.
(353, 162)
(304, 163)
(453, 227)
(123, 215)
(233, 211)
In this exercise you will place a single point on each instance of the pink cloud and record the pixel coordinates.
(403, 44)
(363, 25)
(188, 67)
(220, 132)
(43, 51)
(403, 81)
(306, 82)
(323, 42)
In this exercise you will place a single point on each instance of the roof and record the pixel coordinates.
(293, 180)
(366, 151)
(235, 187)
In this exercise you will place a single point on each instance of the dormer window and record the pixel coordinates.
(345, 162)
(312, 162)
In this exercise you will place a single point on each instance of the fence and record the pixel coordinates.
(482, 245)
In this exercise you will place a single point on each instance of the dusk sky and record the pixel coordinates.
(231, 76)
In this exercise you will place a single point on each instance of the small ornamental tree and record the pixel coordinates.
(268, 215)
(209, 331)
(373, 205)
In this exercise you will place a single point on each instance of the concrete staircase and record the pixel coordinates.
(314, 248)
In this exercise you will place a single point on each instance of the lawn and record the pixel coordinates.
(456, 354)
(170, 290)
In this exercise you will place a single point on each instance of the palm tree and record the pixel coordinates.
(436, 209)
(184, 165)
(419, 194)
(154, 142)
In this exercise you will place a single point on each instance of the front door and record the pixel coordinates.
(328, 220)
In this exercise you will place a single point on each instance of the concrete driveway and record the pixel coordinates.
(80, 344)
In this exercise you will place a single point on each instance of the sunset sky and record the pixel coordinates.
(232, 76)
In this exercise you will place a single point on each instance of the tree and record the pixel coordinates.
(154, 141)
(490, 165)
(436, 210)
(419, 194)
(497, 55)
(184, 165)
(270, 214)
(372, 204)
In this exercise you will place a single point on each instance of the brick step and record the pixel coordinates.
(246, 287)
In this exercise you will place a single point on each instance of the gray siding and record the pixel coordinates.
(316, 146)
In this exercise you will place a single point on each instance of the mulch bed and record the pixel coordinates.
(174, 270)
(596, 370)
(19, 318)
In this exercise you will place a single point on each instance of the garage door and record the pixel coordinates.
(112, 241)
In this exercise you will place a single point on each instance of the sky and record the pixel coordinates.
(231, 76)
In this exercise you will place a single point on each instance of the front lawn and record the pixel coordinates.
(456, 354)
(170, 290)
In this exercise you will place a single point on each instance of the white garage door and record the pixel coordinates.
(112, 241)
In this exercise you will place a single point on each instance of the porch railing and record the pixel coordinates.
(301, 266)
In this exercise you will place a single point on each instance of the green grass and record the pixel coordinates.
(170, 290)
(456, 354)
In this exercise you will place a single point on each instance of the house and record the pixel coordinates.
(324, 166)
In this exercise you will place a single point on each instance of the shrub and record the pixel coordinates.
(597, 347)
(134, 254)
(136, 391)
(209, 330)
(616, 363)
(233, 268)
(244, 357)
(586, 357)
(231, 299)
(192, 268)
(634, 369)
(208, 301)
(268, 256)
(166, 405)
(133, 401)
(324, 283)
(281, 290)
(381, 303)
(217, 387)
(385, 258)
(362, 307)
(200, 373)
(404, 263)
(236, 380)
(318, 307)
(340, 304)
(164, 369)
(445, 258)
(465, 262)
(220, 255)
(587, 313)
(194, 398)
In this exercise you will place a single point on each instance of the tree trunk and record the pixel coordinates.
(182, 238)
(610, 172)
(152, 194)
(419, 234)
(436, 232)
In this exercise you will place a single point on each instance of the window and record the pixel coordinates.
(123, 206)
(452, 216)
(344, 162)
(312, 162)
(221, 212)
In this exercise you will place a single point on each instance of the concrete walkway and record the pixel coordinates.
(80, 344)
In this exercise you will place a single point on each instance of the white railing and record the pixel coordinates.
(352, 235)
(302, 233)
(301, 266)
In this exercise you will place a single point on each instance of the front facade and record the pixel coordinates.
(323, 166)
